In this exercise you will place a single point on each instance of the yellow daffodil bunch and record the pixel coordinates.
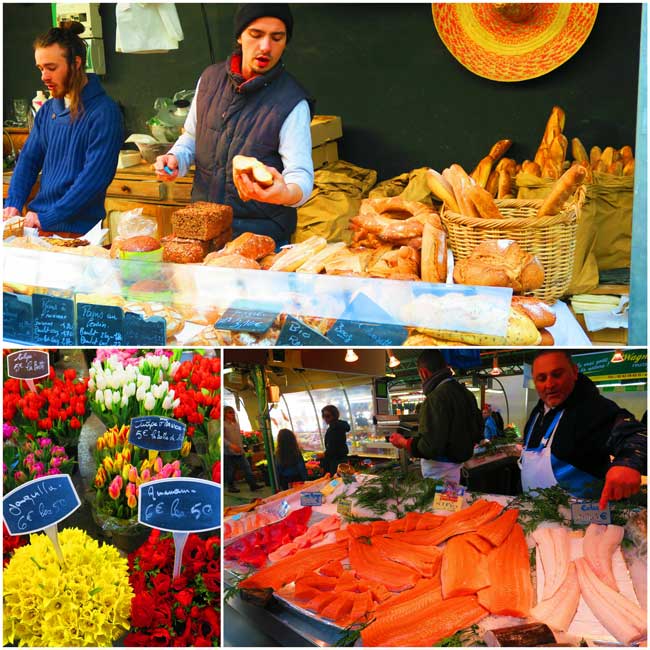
(86, 602)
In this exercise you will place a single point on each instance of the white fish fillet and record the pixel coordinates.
(554, 552)
(598, 547)
(622, 618)
(558, 612)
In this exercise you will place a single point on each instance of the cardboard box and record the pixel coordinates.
(325, 128)
(325, 153)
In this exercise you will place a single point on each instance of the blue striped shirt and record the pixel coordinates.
(77, 160)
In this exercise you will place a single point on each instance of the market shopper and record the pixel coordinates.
(336, 446)
(289, 463)
(574, 432)
(449, 425)
(74, 143)
(250, 105)
(234, 457)
(490, 429)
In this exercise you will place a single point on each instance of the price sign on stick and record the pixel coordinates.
(40, 505)
(28, 365)
(181, 506)
(157, 433)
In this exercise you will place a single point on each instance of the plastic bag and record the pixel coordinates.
(147, 27)
(132, 224)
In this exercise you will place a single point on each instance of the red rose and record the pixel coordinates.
(185, 597)
(142, 605)
(161, 583)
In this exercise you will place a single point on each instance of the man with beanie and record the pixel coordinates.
(250, 105)
(450, 422)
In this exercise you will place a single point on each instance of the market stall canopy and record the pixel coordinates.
(513, 41)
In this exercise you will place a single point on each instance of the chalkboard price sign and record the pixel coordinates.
(28, 364)
(246, 316)
(180, 504)
(157, 432)
(138, 331)
(295, 333)
(40, 503)
(365, 323)
(99, 325)
(53, 320)
(17, 320)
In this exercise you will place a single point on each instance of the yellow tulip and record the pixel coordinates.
(185, 449)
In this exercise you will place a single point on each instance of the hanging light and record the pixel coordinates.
(393, 361)
(351, 356)
(618, 357)
(496, 371)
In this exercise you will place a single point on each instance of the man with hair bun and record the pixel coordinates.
(74, 144)
(578, 439)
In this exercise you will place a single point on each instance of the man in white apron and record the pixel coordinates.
(450, 422)
(572, 432)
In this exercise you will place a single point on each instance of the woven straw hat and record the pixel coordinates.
(513, 41)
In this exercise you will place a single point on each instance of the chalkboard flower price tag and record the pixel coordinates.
(157, 433)
(28, 365)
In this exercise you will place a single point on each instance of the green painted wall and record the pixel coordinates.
(404, 100)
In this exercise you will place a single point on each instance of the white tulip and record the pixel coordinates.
(164, 362)
(167, 403)
(149, 402)
(175, 366)
(146, 382)
(101, 382)
(99, 396)
(91, 371)
(171, 393)
(114, 382)
(91, 385)
(131, 373)
(165, 386)
(176, 403)
(125, 400)
(155, 391)
(140, 393)
(160, 376)
(154, 360)
(108, 398)
(131, 388)
(117, 397)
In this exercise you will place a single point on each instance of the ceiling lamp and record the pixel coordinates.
(496, 371)
(393, 361)
(351, 356)
(618, 357)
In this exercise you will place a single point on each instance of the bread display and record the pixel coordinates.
(182, 250)
(253, 168)
(562, 191)
(174, 320)
(537, 310)
(433, 264)
(140, 244)
(250, 245)
(500, 263)
(201, 220)
(231, 261)
(295, 256)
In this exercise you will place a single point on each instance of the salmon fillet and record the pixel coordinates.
(424, 559)
(479, 543)
(511, 591)
(464, 569)
(497, 530)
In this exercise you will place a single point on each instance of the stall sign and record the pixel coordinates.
(295, 333)
(365, 323)
(157, 432)
(139, 331)
(246, 316)
(449, 497)
(344, 507)
(598, 366)
(28, 364)
(99, 325)
(584, 513)
(53, 320)
(17, 319)
(39, 504)
(180, 504)
(311, 498)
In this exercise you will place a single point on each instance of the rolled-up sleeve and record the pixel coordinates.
(295, 150)
(185, 147)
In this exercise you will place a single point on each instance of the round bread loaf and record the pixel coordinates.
(537, 310)
(140, 244)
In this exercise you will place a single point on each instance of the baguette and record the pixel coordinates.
(601, 166)
(456, 176)
(298, 254)
(541, 155)
(484, 203)
(608, 156)
(594, 156)
(537, 310)
(626, 154)
(558, 149)
(482, 171)
(492, 185)
(499, 149)
(589, 176)
(316, 263)
(628, 169)
(551, 169)
(255, 169)
(616, 168)
(578, 151)
(433, 265)
(554, 125)
(547, 337)
(562, 191)
(442, 189)
(529, 167)
(504, 190)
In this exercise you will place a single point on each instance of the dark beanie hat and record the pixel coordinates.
(247, 13)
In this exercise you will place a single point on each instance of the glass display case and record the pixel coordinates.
(193, 304)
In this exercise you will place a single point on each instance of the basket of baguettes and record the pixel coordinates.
(13, 227)
(544, 228)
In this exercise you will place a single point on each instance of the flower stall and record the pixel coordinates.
(108, 573)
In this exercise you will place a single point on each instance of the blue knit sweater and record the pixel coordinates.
(77, 160)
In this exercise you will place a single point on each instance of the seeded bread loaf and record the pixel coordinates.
(202, 220)
(182, 250)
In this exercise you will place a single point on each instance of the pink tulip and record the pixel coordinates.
(115, 487)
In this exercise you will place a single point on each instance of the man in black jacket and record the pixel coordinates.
(450, 422)
(573, 431)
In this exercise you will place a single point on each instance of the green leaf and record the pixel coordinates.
(351, 633)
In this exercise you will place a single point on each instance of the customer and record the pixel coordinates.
(450, 422)
(234, 457)
(490, 430)
(336, 447)
(250, 105)
(74, 144)
(573, 432)
(289, 462)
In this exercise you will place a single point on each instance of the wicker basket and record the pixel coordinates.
(13, 227)
(551, 239)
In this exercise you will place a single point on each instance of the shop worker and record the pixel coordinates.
(450, 421)
(573, 432)
(74, 144)
(250, 105)
(234, 457)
